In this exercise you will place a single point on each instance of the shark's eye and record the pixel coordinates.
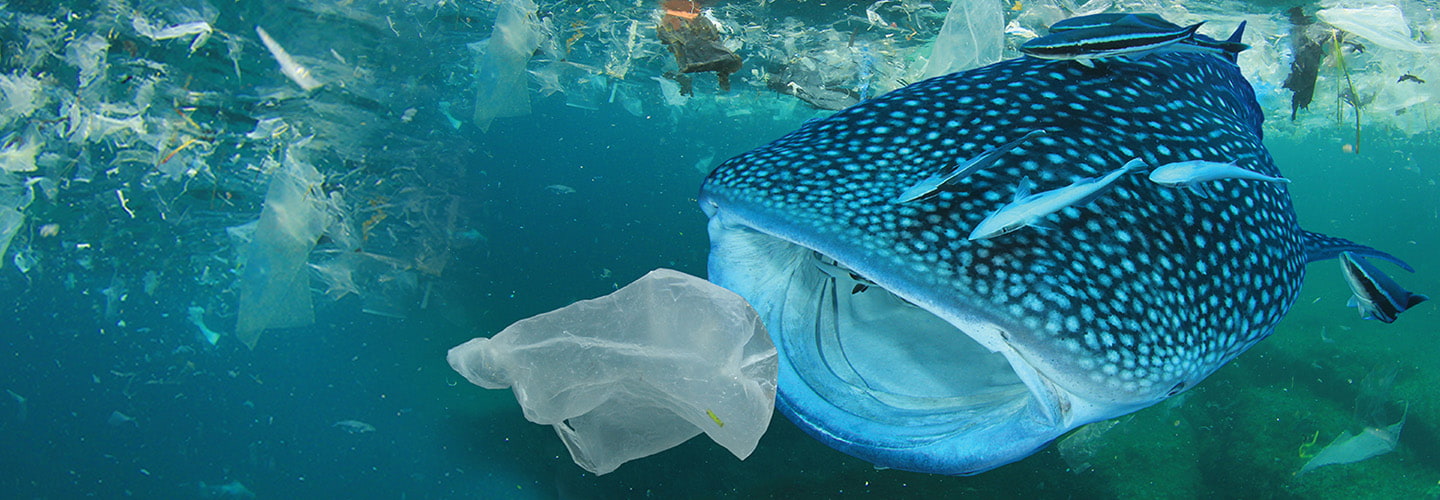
(1176, 390)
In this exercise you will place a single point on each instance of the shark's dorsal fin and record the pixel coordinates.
(1239, 32)
(1322, 247)
(1023, 189)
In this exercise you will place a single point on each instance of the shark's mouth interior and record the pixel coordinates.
(879, 377)
(898, 355)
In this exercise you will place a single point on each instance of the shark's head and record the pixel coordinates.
(905, 343)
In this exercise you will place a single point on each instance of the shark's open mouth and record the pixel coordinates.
(898, 355)
(877, 376)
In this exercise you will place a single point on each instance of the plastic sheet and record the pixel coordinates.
(201, 29)
(10, 221)
(638, 371)
(670, 90)
(88, 55)
(273, 291)
(20, 96)
(19, 156)
(338, 275)
(1349, 448)
(972, 36)
(1081, 446)
(500, 75)
(1385, 25)
(196, 314)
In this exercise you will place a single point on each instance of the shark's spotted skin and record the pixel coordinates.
(1001, 345)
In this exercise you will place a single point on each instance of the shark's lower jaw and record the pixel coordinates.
(882, 379)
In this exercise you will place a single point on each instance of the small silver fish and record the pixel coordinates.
(1375, 294)
(933, 184)
(1027, 209)
(354, 426)
(1192, 173)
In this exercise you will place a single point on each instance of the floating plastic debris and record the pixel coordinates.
(118, 419)
(19, 154)
(10, 221)
(1081, 446)
(638, 371)
(972, 36)
(197, 318)
(26, 258)
(670, 90)
(200, 29)
(231, 490)
(20, 96)
(1349, 448)
(267, 128)
(88, 54)
(693, 36)
(1385, 25)
(273, 291)
(338, 274)
(502, 58)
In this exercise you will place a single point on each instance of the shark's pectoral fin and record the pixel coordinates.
(1321, 247)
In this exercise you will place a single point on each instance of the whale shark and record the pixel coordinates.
(906, 344)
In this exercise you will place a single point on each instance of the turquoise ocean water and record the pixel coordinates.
(146, 154)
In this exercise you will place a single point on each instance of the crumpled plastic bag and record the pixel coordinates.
(638, 371)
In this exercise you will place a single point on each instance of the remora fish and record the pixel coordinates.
(1113, 40)
(932, 185)
(1194, 172)
(1149, 22)
(1112, 25)
(1027, 209)
(1375, 294)
(967, 355)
